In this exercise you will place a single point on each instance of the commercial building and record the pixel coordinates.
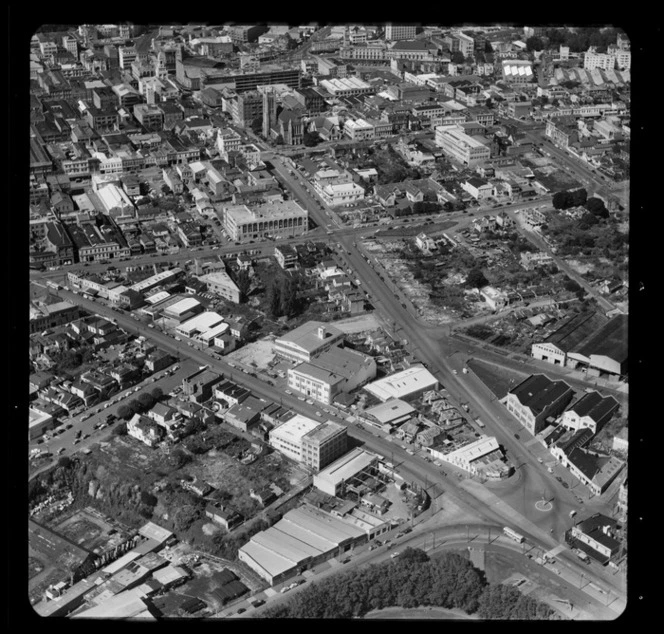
(390, 414)
(537, 398)
(456, 144)
(198, 386)
(482, 457)
(588, 341)
(400, 32)
(331, 373)
(221, 283)
(308, 341)
(199, 325)
(351, 466)
(164, 277)
(309, 442)
(599, 533)
(346, 87)
(591, 411)
(277, 219)
(517, 71)
(304, 537)
(410, 382)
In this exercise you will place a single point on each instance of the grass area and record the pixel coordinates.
(499, 380)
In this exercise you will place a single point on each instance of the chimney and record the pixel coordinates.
(321, 332)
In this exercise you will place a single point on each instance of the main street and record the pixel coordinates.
(436, 352)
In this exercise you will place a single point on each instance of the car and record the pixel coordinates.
(69, 426)
(76, 441)
(258, 602)
(288, 392)
(318, 414)
(517, 436)
(565, 485)
(394, 554)
(86, 436)
(60, 450)
(285, 589)
(241, 610)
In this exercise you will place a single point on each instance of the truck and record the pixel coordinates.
(581, 555)
(479, 423)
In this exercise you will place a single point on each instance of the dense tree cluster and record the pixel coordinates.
(413, 579)
(282, 297)
(502, 602)
(580, 39)
(567, 199)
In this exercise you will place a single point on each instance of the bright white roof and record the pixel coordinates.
(200, 323)
(182, 306)
(475, 450)
(157, 297)
(346, 467)
(294, 429)
(401, 384)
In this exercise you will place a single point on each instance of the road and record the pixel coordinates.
(567, 578)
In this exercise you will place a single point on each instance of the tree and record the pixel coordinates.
(311, 139)
(458, 58)
(596, 207)
(136, 406)
(476, 278)
(534, 43)
(120, 429)
(146, 400)
(274, 298)
(64, 462)
(243, 283)
(125, 412)
(157, 393)
(180, 458)
(148, 498)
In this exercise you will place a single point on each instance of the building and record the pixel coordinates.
(517, 71)
(221, 283)
(591, 411)
(43, 316)
(599, 534)
(478, 188)
(400, 32)
(286, 256)
(308, 341)
(303, 538)
(145, 430)
(456, 144)
(309, 442)
(346, 87)
(332, 372)
(482, 457)
(352, 466)
(390, 414)
(588, 341)
(410, 382)
(198, 386)
(497, 300)
(277, 219)
(536, 399)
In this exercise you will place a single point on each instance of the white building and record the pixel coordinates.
(409, 382)
(458, 145)
(199, 325)
(332, 372)
(346, 87)
(275, 219)
(220, 282)
(308, 341)
(591, 411)
(400, 32)
(333, 478)
(475, 457)
(359, 130)
(309, 442)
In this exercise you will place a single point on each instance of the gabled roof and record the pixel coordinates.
(537, 392)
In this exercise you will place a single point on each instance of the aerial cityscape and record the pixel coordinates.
(328, 321)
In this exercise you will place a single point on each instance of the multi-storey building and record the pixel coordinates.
(536, 399)
(331, 373)
(221, 283)
(458, 145)
(275, 219)
(310, 442)
(149, 116)
(308, 341)
(400, 32)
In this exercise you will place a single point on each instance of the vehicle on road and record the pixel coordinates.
(241, 610)
(258, 602)
(394, 554)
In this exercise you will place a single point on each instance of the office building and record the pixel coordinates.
(276, 219)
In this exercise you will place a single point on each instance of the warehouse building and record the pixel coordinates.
(221, 283)
(536, 399)
(351, 466)
(304, 537)
(390, 414)
(410, 382)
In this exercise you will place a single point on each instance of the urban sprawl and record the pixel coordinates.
(311, 304)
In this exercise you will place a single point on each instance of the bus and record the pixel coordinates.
(512, 534)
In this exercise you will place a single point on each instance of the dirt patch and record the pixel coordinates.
(361, 323)
(210, 528)
(258, 355)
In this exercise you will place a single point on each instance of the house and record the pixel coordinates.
(537, 398)
(264, 496)
(145, 430)
(226, 517)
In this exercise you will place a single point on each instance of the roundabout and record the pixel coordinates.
(543, 505)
